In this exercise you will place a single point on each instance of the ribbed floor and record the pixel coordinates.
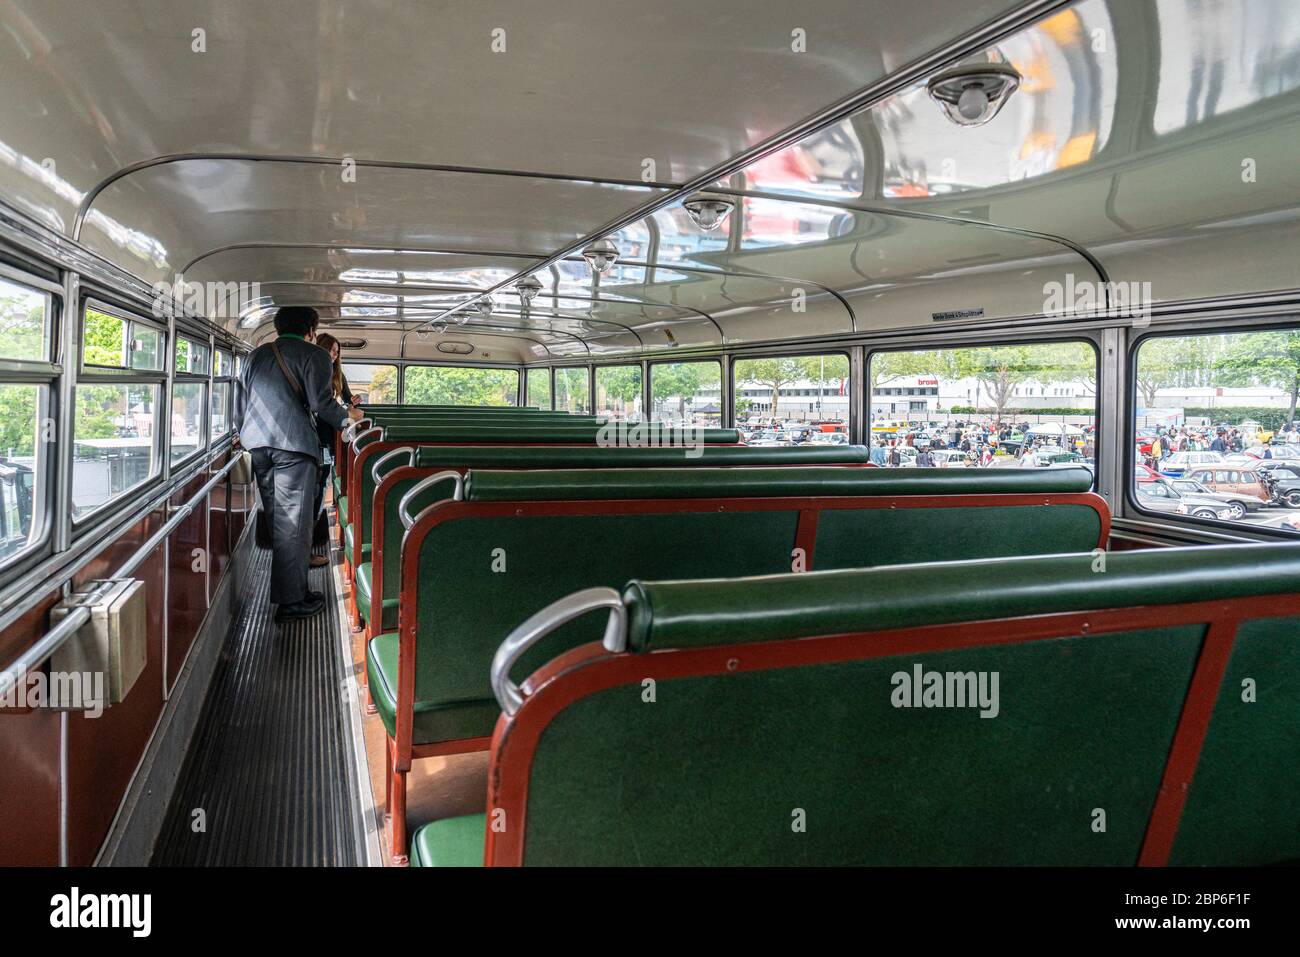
(269, 763)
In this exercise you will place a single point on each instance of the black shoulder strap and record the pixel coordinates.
(293, 380)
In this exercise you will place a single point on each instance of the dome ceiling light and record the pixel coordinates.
(484, 306)
(601, 256)
(972, 95)
(707, 212)
(528, 288)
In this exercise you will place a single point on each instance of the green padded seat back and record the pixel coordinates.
(388, 619)
(483, 485)
(546, 433)
(815, 765)
(819, 763)
(1243, 806)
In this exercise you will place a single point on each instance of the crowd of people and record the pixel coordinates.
(977, 444)
(1226, 440)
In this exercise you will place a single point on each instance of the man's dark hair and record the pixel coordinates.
(296, 320)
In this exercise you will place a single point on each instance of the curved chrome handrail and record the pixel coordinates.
(350, 429)
(508, 694)
(377, 431)
(457, 495)
(392, 453)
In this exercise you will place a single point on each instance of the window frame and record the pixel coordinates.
(722, 383)
(43, 373)
(529, 372)
(405, 368)
(396, 366)
(641, 387)
(219, 349)
(590, 379)
(202, 379)
(1130, 462)
(853, 405)
(92, 375)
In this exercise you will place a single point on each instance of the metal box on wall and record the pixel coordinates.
(112, 643)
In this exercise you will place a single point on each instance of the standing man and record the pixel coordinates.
(285, 386)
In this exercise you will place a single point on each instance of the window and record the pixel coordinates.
(572, 390)
(455, 385)
(117, 341)
(538, 385)
(774, 384)
(19, 469)
(686, 393)
(114, 446)
(1220, 408)
(222, 391)
(187, 419)
(994, 405)
(375, 384)
(191, 356)
(24, 322)
(618, 393)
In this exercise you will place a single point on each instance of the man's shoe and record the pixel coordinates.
(299, 610)
(318, 561)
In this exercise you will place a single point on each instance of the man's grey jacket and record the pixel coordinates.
(269, 414)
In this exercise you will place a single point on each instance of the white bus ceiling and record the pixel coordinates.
(1147, 137)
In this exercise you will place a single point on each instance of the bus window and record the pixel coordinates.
(114, 443)
(1219, 410)
(459, 385)
(373, 383)
(572, 392)
(1030, 405)
(686, 393)
(538, 386)
(189, 398)
(789, 400)
(618, 392)
(19, 506)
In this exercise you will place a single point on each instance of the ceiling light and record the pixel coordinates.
(707, 213)
(973, 95)
(601, 255)
(528, 288)
(484, 306)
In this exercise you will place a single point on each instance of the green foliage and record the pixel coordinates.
(617, 386)
(22, 325)
(684, 381)
(103, 340)
(1262, 359)
(780, 371)
(450, 385)
(572, 391)
(1056, 410)
(18, 420)
(1269, 417)
(383, 385)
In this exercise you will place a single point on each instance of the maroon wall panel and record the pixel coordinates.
(187, 600)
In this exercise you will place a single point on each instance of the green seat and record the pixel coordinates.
(341, 503)
(433, 723)
(452, 842)
(801, 720)
(348, 539)
(389, 620)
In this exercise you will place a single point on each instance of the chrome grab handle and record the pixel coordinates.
(392, 453)
(377, 430)
(350, 429)
(546, 621)
(458, 494)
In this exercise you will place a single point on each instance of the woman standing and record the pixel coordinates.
(342, 395)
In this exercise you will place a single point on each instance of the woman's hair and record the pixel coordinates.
(328, 342)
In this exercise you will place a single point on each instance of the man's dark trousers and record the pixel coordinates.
(286, 482)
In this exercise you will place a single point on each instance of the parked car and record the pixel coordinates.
(1180, 462)
(1240, 504)
(1283, 482)
(1237, 484)
(1144, 473)
(1162, 497)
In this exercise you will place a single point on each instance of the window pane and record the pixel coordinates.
(372, 383)
(113, 447)
(187, 418)
(23, 314)
(191, 356)
(19, 510)
(225, 365)
(788, 400)
(104, 340)
(1220, 409)
(146, 348)
(572, 391)
(446, 385)
(1032, 405)
(686, 393)
(219, 424)
(539, 387)
(618, 393)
